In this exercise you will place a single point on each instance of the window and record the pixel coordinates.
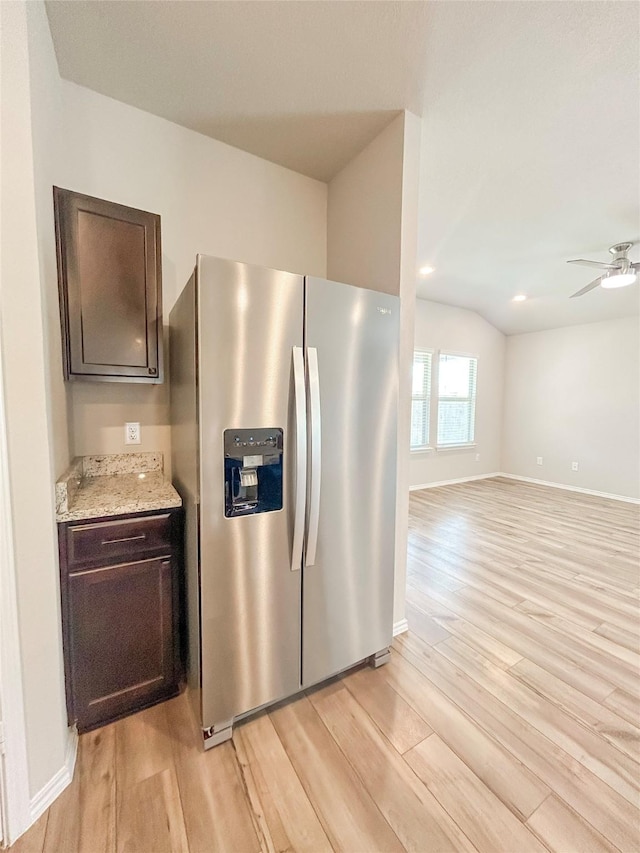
(456, 399)
(420, 399)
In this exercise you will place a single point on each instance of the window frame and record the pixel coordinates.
(423, 448)
(471, 399)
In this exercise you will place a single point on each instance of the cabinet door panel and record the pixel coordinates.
(121, 637)
(109, 273)
(111, 269)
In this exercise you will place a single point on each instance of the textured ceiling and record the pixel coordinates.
(531, 149)
(530, 156)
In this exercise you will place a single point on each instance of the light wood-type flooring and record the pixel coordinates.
(507, 720)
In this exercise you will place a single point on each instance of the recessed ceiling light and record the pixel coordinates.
(519, 298)
(426, 270)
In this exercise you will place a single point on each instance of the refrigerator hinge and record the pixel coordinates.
(218, 733)
(380, 658)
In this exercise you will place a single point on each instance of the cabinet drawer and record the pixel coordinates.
(108, 541)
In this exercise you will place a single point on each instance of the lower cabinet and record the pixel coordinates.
(120, 619)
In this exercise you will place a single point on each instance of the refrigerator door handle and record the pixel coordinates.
(316, 455)
(300, 399)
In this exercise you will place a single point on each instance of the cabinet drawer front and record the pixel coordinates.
(106, 541)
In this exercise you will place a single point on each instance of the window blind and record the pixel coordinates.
(420, 399)
(457, 377)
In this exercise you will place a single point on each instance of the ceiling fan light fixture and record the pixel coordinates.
(621, 279)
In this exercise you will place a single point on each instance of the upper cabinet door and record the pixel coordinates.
(109, 275)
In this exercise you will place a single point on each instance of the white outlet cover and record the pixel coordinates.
(477, 457)
(574, 466)
(132, 433)
(538, 460)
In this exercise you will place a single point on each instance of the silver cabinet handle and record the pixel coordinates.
(316, 456)
(300, 459)
(124, 539)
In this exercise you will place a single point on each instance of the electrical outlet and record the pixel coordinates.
(538, 460)
(477, 457)
(132, 433)
(574, 466)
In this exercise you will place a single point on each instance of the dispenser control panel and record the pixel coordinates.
(252, 470)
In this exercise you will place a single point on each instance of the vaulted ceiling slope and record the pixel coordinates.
(304, 84)
(531, 131)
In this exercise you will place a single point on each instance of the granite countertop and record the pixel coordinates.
(97, 486)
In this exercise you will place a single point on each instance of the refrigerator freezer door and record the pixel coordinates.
(250, 320)
(347, 611)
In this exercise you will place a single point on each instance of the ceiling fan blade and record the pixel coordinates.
(599, 265)
(589, 287)
(635, 266)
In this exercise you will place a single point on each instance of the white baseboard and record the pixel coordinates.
(41, 801)
(453, 482)
(400, 627)
(567, 488)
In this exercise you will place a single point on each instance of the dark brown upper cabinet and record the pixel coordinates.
(110, 283)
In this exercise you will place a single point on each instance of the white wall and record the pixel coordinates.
(364, 215)
(444, 327)
(372, 242)
(26, 62)
(573, 394)
(212, 199)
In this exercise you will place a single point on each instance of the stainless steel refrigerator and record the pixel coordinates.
(284, 409)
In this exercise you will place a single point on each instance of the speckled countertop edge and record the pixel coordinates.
(121, 463)
(99, 486)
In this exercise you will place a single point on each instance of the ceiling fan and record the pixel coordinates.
(619, 273)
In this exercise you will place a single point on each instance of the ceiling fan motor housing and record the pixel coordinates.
(620, 254)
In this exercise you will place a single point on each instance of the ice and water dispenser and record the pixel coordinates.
(252, 471)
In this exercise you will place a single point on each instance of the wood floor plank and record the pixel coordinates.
(592, 604)
(395, 718)
(150, 816)
(529, 639)
(496, 651)
(289, 820)
(608, 586)
(96, 766)
(594, 715)
(83, 818)
(349, 815)
(500, 771)
(625, 705)
(588, 747)
(469, 801)
(143, 746)
(626, 639)
(215, 806)
(620, 655)
(411, 810)
(426, 628)
(466, 573)
(562, 829)
(610, 813)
